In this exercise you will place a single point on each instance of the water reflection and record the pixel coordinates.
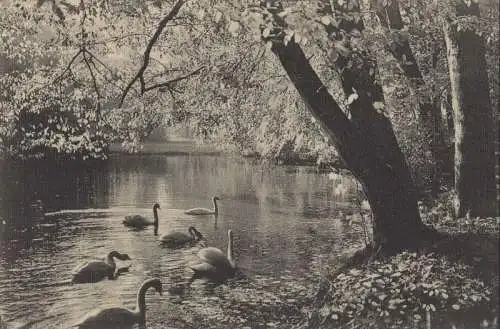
(285, 220)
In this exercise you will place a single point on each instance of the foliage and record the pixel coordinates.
(76, 62)
(244, 102)
(406, 285)
(440, 214)
(65, 70)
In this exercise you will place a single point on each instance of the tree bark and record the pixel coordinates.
(389, 15)
(472, 116)
(378, 162)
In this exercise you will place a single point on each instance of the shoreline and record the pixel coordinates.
(178, 147)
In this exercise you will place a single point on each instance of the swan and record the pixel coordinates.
(140, 222)
(205, 211)
(119, 317)
(214, 264)
(179, 239)
(94, 271)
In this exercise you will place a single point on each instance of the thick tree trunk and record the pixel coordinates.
(473, 119)
(429, 109)
(369, 148)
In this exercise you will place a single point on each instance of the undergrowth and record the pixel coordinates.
(407, 288)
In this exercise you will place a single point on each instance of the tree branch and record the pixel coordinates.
(173, 81)
(68, 67)
(146, 60)
(96, 87)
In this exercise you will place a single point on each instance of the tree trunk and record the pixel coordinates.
(429, 109)
(473, 118)
(377, 162)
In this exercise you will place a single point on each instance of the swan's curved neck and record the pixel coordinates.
(230, 250)
(216, 208)
(155, 216)
(140, 308)
(111, 259)
(155, 222)
(192, 233)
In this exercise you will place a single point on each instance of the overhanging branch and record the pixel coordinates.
(147, 53)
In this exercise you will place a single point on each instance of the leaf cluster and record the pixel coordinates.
(406, 285)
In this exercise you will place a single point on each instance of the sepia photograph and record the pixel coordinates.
(249, 164)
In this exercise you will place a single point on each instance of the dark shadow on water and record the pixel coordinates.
(32, 188)
(29, 189)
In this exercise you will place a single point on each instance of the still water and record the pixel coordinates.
(286, 220)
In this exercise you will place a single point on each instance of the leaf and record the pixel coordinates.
(352, 98)
(334, 55)
(298, 38)
(341, 49)
(355, 33)
(233, 27)
(201, 13)
(325, 311)
(218, 17)
(455, 306)
(288, 37)
(284, 13)
(378, 106)
(325, 20)
(266, 32)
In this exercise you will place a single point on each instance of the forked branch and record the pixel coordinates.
(147, 53)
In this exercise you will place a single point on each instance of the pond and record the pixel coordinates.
(288, 223)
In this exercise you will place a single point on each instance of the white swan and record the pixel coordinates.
(140, 222)
(94, 271)
(119, 317)
(205, 211)
(179, 239)
(214, 264)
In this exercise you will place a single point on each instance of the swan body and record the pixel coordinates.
(179, 239)
(205, 211)
(140, 222)
(94, 271)
(119, 317)
(215, 265)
